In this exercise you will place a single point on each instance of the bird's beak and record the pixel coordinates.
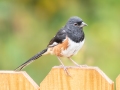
(83, 24)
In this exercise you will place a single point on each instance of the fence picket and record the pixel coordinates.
(11, 80)
(86, 78)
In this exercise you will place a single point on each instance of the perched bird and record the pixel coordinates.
(66, 43)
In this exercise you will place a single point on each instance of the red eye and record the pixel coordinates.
(75, 24)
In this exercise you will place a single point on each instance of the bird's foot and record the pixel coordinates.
(66, 70)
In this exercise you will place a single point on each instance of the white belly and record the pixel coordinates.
(73, 48)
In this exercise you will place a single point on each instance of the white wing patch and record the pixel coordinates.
(54, 44)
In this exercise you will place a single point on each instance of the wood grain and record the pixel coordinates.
(11, 80)
(118, 83)
(86, 78)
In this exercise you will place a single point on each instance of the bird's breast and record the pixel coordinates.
(73, 48)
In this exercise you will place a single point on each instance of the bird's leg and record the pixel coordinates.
(76, 63)
(65, 69)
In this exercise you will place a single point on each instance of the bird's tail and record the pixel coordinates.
(31, 60)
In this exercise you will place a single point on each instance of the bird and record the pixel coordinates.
(66, 43)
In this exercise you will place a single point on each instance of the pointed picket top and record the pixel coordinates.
(12, 80)
(85, 78)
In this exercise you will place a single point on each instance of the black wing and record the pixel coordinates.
(59, 37)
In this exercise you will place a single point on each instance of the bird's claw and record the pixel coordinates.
(66, 70)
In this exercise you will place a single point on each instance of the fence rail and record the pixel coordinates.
(86, 78)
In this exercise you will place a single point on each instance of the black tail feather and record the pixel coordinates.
(31, 60)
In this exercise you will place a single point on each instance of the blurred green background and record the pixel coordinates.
(26, 26)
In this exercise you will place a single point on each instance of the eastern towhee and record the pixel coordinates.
(66, 43)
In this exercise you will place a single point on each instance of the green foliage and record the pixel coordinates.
(26, 26)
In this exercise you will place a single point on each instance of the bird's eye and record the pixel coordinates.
(75, 24)
(78, 23)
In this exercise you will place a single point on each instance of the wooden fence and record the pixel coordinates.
(86, 78)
